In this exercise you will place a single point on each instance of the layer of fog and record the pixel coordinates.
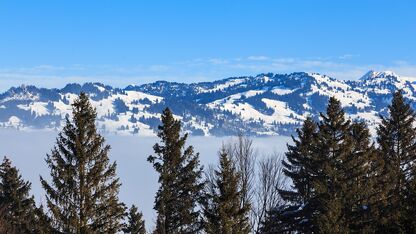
(27, 150)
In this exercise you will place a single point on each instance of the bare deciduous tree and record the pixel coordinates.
(244, 154)
(270, 179)
(261, 178)
(209, 175)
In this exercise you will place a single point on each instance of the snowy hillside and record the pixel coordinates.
(267, 104)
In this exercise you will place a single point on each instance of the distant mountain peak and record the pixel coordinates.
(371, 75)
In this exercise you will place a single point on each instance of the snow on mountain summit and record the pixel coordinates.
(266, 104)
(386, 82)
(371, 75)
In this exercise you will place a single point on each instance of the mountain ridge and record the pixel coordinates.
(265, 104)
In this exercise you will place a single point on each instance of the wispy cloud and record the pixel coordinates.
(218, 61)
(348, 56)
(258, 58)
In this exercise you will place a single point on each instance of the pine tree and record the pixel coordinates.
(5, 225)
(347, 167)
(361, 171)
(297, 163)
(82, 196)
(277, 221)
(410, 213)
(335, 170)
(135, 223)
(42, 221)
(298, 167)
(222, 210)
(179, 178)
(397, 145)
(17, 206)
(334, 147)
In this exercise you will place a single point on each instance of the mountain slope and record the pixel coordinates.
(266, 104)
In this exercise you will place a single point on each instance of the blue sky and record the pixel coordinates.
(50, 43)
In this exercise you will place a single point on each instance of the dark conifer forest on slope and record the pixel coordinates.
(335, 178)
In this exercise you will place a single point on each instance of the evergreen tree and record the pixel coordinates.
(335, 171)
(5, 225)
(397, 144)
(298, 167)
(222, 210)
(410, 213)
(42, 221)
(179, 179)
(347, 165)
(361, 171)
(277, 221)
(334, 147)
(18, 207)
(135, 223)
(82, 196)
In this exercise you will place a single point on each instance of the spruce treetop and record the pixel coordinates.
(18, 205)
(82, 196)
(179, 178)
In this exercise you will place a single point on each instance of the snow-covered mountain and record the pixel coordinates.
(266, 104)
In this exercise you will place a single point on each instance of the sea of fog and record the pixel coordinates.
(27, 150)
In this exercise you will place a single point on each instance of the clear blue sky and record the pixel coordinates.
(52, 42)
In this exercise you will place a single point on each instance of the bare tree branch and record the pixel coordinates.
(270, 179)
(244, 154)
